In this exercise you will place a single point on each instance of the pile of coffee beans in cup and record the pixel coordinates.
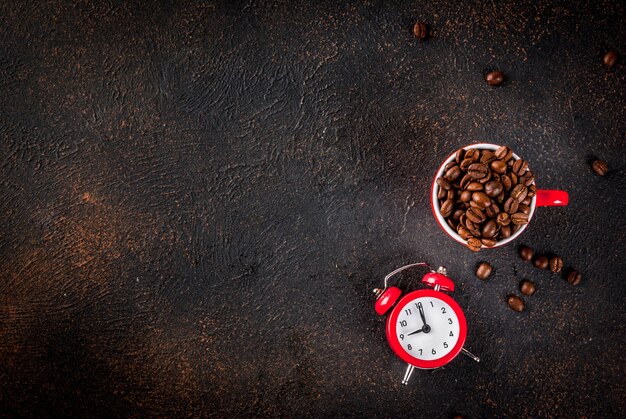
(485, 195)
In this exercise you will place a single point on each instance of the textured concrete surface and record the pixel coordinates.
(196, 199)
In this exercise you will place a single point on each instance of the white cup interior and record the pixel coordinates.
(435, 202)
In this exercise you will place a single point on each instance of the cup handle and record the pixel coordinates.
(550, 198)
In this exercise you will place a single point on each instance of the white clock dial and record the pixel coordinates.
(434, 339)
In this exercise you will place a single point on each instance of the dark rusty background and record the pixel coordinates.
(196, 199)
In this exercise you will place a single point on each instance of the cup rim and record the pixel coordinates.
(434, 202)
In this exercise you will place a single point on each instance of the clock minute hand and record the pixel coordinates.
(417, 331)
(421, 310)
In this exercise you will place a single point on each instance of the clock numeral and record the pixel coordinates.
(445, 344)
(408, 311)
(451, 334)
(433, 351)
(403, 323)
(431, 304)
(402, 336)
(443, 310)
(409, 347)
(449, 320)
(420, 351)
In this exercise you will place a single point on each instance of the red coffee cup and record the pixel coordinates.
(544, 198)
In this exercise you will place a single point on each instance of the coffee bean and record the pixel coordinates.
(472, 154)
(494, 78)
(484, 270)
(449, 166)
(486, 178)
(515, 303)
(526, 253)
(474, 244)
(528, 179)
(459, 155)
(519, 192)
(466, 196)
(482, 199)
(451, 223)
(511, 205)
(487, 157)
(442, 193)
(475, 186)
(489, 212)
(498, 166)
(600, 167)
(504, 153)
(488, 242)
(527, 287)
(463, 232)
(475, 215)
(574, 277)
(556, 264)
(519, 218)
(446, 208)
(541, 262)
(520, 167)
(453, 173)
(515, 227)
(420, 31)
(610, 58)
(457, 214)
(503, 219)
(477, 170)
(494, 188)
(466, 163)
(505, 232)
(451, 194)
(526, 201)
(489, 230)
(524, 208)
(506, 182)
(444, 183)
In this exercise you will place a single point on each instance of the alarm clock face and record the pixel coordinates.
(427, 329)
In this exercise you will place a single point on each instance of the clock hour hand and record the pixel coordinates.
(421, 310)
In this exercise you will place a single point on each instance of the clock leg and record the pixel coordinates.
(471, 355)
(407, 374)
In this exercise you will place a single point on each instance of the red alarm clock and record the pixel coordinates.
(426, 328)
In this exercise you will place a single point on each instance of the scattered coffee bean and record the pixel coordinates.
(484, 270)
(610, 58)
(556, 264)
(420, 31)
(474, 193)
(494, 78)
(516, 303)
(526, 253)
(574, 277)
(527, 287)
(541, 262)
(600, 167)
